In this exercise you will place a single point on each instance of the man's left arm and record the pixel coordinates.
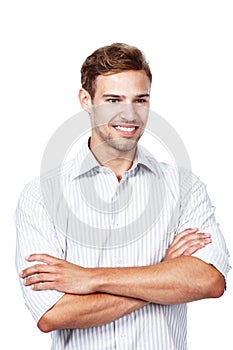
(179, 280)
(198, 211)
(176, 281)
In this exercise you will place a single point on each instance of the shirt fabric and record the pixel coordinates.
(82, 214)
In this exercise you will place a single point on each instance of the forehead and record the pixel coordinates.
(125, 82)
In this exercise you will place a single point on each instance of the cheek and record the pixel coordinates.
(103, 115)
(143, 115)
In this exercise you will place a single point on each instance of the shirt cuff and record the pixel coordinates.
(216, 257)
(39, 302)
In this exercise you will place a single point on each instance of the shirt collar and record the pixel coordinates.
(85, 161)
(146, 159)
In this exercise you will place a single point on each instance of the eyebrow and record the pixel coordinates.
(123, 96)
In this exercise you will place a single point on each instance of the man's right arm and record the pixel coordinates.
(85, 311)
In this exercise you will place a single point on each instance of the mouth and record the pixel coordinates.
(126, 130)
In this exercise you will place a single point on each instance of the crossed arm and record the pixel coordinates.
(96, 296)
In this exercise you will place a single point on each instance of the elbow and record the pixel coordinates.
(217, 290)
(45, 325)
(216, 284)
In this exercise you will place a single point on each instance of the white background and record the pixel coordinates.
(189, 47)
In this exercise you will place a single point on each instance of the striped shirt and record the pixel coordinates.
(81, 213)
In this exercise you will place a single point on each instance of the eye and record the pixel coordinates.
(141, 100)
(113, 100)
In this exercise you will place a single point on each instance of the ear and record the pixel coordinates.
(85, 99)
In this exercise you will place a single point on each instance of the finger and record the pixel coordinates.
(46, 258)
(43, 286)
(190, 246)
(35, 269)
(198, 236)
(184, 233)
(188, 252)
(42, 277)
(193, 249)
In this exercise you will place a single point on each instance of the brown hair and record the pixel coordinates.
(109, 59)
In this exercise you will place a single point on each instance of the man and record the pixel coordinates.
(117, 276)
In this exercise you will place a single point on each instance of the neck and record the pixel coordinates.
(116, 160)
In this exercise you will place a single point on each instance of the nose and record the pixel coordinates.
(129, 112)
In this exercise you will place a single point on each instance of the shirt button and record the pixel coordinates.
(123, 335)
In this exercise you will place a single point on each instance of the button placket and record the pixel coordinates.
(115, 199)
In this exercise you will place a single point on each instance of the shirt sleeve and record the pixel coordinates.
(197, 211)
(35, 233)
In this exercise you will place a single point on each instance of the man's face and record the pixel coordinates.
(120, 110)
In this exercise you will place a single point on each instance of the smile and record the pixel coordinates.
(122, 128)
(126, 130)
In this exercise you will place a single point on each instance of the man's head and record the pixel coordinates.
(115, 92)
(111, 59)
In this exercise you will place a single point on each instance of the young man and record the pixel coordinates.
(115, 268)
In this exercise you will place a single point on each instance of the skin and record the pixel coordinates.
(121, 100)
(95, 296)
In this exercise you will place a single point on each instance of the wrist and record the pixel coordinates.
(96, 279)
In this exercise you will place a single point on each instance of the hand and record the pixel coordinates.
(187, 243)
(57, 274)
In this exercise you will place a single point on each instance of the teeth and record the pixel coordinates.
(125, 129)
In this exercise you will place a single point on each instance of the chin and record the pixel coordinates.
(123, 145)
